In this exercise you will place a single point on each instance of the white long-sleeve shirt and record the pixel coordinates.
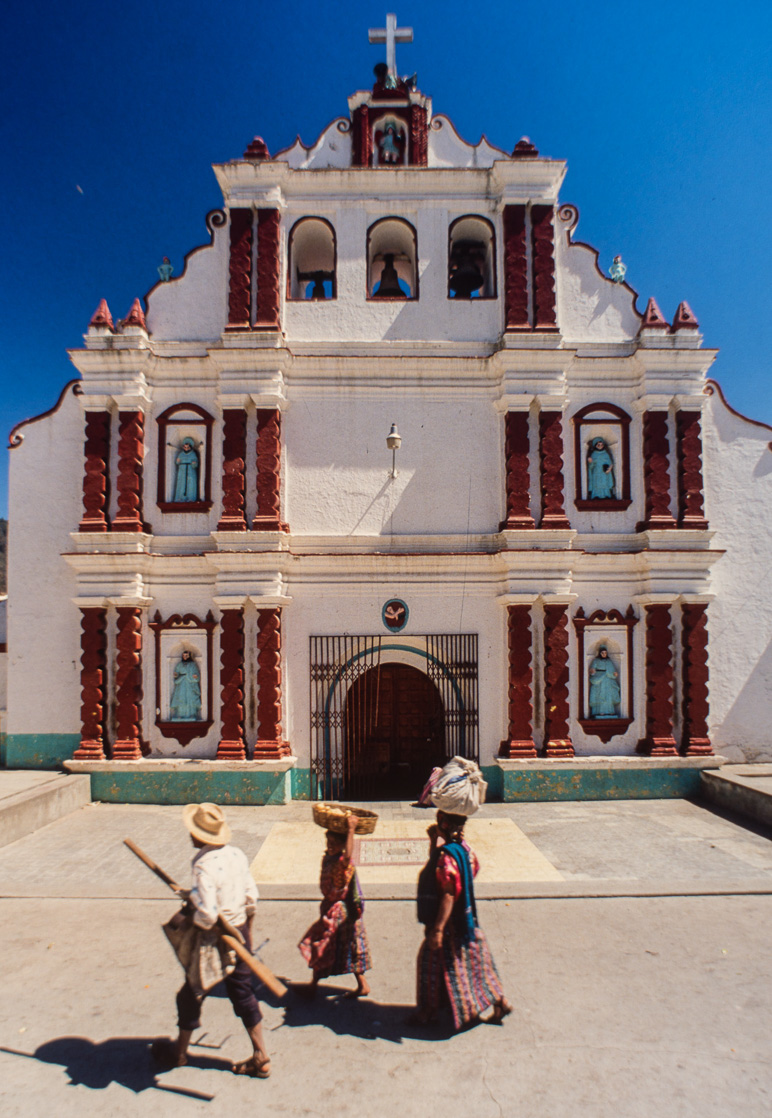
(223, 884)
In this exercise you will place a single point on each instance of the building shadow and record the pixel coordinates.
(122, 1060)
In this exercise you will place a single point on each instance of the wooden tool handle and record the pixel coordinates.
(267, 977)
(152, 866)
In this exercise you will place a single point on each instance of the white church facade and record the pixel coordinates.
(391, 472)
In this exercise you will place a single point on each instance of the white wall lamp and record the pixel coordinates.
(393, 442)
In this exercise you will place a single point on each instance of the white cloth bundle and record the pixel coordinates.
(460, 788)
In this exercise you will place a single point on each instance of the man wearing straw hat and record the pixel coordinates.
(222, 884)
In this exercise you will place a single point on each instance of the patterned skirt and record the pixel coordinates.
(336, 945)
(465, 973)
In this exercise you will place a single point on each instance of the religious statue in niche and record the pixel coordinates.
(186, 696)
(605, 694)
(600, 471)
(186, 462)
(390, 143)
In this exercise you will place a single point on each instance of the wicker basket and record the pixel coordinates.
(333, 818)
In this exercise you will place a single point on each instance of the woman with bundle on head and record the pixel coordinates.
(454, 958)
(337, 942)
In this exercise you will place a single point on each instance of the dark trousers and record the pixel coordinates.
(238, 986)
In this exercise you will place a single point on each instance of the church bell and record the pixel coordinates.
(466, 274)
(389, 288)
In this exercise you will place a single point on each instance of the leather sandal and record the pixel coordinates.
(254, 1068)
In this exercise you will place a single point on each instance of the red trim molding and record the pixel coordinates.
(691, 505)
(267, 302)
(93, 679)
(517, 449)
(205, 420)
(557, 735)
(231, 745)
(240, 270)
(605, 728)
(269, 745)
(519, 742)
(183, 732)
(96, 472)
(613, 417)
(234, 452)
(128, 685)
(515, 270)
(659, 740)
(543, 241)
(129, 483)
(268, 515)
(656, 472)
(694, 662)
(553, 513)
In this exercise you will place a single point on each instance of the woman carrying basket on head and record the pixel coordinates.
(337, 942)
(454, 960)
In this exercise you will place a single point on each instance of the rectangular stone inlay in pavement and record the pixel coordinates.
(292, 853)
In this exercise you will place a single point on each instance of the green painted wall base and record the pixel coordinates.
(582, 783)
(39, 751)
(192, 787)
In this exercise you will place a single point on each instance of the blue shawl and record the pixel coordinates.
(465, 912)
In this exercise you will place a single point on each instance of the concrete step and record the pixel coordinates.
(30, 800)
(746, 789)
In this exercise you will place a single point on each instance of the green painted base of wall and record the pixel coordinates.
(39, 751)
(569, 783)
(190, 788)
(494, 778)
(301, 784)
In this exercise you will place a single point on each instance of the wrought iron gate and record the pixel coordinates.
(448, 660)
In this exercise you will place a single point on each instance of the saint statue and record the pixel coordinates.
(186, 696)
(600, 471)
(186, 477)
(605, 694)
(389, 147)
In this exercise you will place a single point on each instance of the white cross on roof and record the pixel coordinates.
(391, 35)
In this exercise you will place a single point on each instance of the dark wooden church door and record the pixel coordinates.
(394, 733)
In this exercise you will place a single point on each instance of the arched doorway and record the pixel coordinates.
(394, 733)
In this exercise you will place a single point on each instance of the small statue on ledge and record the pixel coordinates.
(600, 471)
(605, 694)
(186, 696)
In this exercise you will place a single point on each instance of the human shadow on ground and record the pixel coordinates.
(360, 1017)
(123, 1060)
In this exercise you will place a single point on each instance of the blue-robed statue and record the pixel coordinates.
(186, 477)
(186, 696)
(605, 694)
(600, 471)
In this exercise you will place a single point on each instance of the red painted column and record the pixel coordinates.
(268, 515)
(128, 685)
(519, 741)
(543, 241)
(694, 665)
(691, 505)
(517, 450)
(557, 731)
(553, 513)
(656, 472)
(361, 138)
(240, 270)
(419, 136)
(515, 269)
(269, 745)
(267, 306)
(231, 745)
(93, 677)
(96, 453)
(234, 452)
(131, 452)
(659, 740)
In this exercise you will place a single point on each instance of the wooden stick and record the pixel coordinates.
(229, 935)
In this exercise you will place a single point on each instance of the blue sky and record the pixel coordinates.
(114, 114)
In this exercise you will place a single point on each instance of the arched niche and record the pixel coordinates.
(390, 141)
(177, 638)
(610, 425)
(612, 631)
(471, 258)
(185, 459)
(392, 260)
(312, 261)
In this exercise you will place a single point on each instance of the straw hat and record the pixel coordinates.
(206, 822)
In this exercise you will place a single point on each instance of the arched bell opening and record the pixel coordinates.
(312, 261)
(392, 260)
(394, 733)
(471, 259)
